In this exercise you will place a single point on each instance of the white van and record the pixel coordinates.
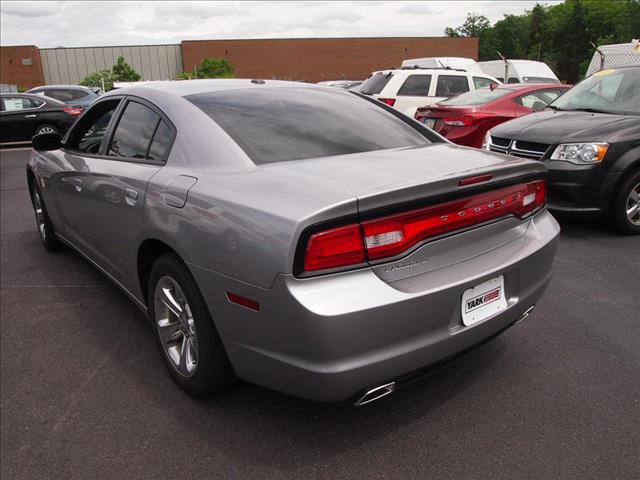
(408, 88)
(519, 71)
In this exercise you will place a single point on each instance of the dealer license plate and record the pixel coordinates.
(483, 301)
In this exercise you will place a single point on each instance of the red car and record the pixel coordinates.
(465, 119)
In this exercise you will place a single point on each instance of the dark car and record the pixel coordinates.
(23, 115)
(70, 94)
(589, 138)
(465, 119)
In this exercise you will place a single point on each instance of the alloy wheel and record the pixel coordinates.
(633, 205)
(46, 130)
(37, 206)
(176, 327)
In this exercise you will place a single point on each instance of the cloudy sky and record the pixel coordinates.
(71, 24)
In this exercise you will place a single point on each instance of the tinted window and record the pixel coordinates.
(278, 124)
(416, 85)
(450, 85)
(77, 94)
(481, 82)
(513, 80)
(13, 104)
(477, 97)
(375, 83)
(134, 131)
(62, 95)
(88, 134)
(161, 142)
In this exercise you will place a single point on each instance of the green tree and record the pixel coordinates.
(96, 80)
(214, 68)
(473, 26)
(123, 72)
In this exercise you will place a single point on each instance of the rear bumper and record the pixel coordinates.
(328, 338)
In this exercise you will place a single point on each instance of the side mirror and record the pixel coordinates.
(46, 141)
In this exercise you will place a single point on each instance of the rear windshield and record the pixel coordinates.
(477, 97)
(375, 83)
(282, 124)
(540, 80)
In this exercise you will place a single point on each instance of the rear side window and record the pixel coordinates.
(161, 142)
(544, 96)
(450, 85)
(482, 82)
(416, 85)
(274, 124)
(375, 83)
(134, 132)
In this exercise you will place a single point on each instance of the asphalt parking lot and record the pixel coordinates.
(85, 395)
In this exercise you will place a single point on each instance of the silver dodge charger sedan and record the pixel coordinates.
(304, 238)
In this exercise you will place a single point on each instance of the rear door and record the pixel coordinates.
(114, 188)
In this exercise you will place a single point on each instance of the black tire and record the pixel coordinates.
(622, 202)
(47, 129)
(213, 372)
(46, 231)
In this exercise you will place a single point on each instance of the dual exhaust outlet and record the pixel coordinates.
(388, 388)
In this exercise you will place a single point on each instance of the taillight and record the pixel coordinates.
(466, 120)
(333, 248)
(393, 235)
(73, 110)
(389, 101)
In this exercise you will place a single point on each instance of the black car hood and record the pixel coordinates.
(552, 127)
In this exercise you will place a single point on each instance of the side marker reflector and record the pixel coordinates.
(243, 301)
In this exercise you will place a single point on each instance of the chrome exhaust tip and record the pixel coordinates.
(526, 313)
(376, 394)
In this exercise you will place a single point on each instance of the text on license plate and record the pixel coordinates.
(483, 301)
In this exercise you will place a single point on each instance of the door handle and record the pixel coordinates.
(78, 184)
(131, 196)
(30, 116)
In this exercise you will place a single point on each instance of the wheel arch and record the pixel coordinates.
(148, 252)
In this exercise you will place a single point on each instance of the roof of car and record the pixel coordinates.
(68, 87)
(190, 87)
(53, 101)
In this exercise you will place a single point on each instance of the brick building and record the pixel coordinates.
(21, 65)
(306, 59)
(317, 59)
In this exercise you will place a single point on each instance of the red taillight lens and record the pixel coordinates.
(390, 236)
(334, 248)
(467, 120)
(389, 101)
(73, 110)
(395, 234)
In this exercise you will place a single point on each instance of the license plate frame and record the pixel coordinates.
(483, 301)
(430, 123)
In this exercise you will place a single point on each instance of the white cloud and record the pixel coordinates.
(71, 24)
